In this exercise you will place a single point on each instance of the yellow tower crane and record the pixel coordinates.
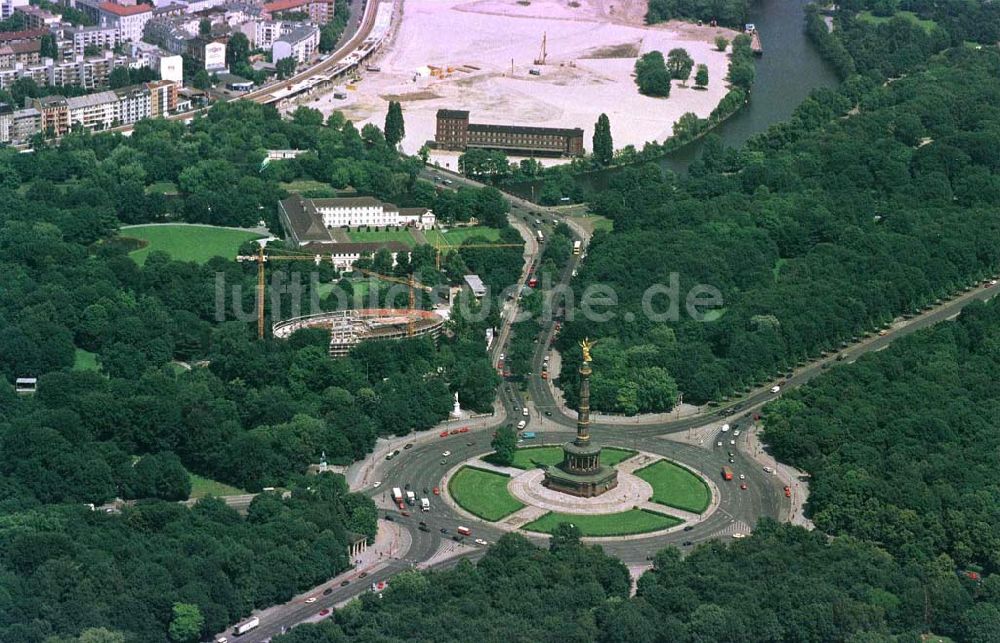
(413, 285)
(260, 258)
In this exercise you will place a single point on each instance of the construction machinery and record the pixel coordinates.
(261, 259)
(543, 54)
(412, 284)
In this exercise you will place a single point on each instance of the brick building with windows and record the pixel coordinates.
(455, 132)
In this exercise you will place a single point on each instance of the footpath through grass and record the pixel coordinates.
(675, 486)
(483, 493)
(531, 457)
(633, 521)
(186, 242)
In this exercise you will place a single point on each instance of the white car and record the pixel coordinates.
(731, 442)
(480, 541)
(311, 599)
(725, 427)
(739, 535)
(775, 388)
(743, 476)
(376, 484)
(719, 443)
(736, 433)
(446, 454)
(501, 356)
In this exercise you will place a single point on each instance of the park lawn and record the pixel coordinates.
(868, 16)
(162, 187)
(595, 222)
(531, 457)
(713, 314)
(201, 487)
(302, 185)
(633, 521)
(456, 236)
(483, 493)
(675, 486)
(85, 361)
(186, 242)
(363, 236)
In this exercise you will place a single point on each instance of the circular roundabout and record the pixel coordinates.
(653, 494)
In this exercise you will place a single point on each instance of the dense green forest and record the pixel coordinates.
(782, 584)
(174, 389)
(902, 445)
(66, 569)
(817, 231)
(728, 13)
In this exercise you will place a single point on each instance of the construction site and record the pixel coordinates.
(348, 328)
(533, 63)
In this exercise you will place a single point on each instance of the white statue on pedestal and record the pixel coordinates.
(457, 411)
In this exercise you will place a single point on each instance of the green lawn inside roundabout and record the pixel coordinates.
(633, 521)
(675, 486)
(531, 457)
(483, 493)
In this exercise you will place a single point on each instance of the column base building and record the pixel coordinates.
(581, 472)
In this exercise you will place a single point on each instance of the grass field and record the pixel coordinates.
(201, 487)
(594, 222)
(162, 187)
(403, 236)
(633, 521)
(85, 361)
(675, 486)
(530, 457)
(455, 236)
(186, 242)
(868, 16)
(483, 493)
(301, 185)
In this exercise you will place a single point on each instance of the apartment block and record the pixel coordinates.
(96, 36)
(300, 43)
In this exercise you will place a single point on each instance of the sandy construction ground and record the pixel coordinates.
(591, 53)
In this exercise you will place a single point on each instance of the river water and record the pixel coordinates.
(789, 69)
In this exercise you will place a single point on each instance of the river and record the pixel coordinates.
(789, 69)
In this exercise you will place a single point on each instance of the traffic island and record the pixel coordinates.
(626, 523)
(483, 493)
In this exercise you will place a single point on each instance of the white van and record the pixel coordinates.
(524, 411)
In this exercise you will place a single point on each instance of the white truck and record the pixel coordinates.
(425, 504)
(411, 498)
(397, 495)
(246, 626)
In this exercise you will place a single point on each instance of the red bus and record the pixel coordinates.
(727, 473)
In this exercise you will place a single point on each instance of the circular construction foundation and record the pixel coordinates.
(631, 491)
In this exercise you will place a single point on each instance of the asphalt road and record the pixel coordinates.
(423, 466)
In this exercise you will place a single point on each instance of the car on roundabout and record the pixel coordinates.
(311, 599)
(743, 486)
(376, 484)
(443, 434)
(446, 454)
(437, 491)
(480, 541)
